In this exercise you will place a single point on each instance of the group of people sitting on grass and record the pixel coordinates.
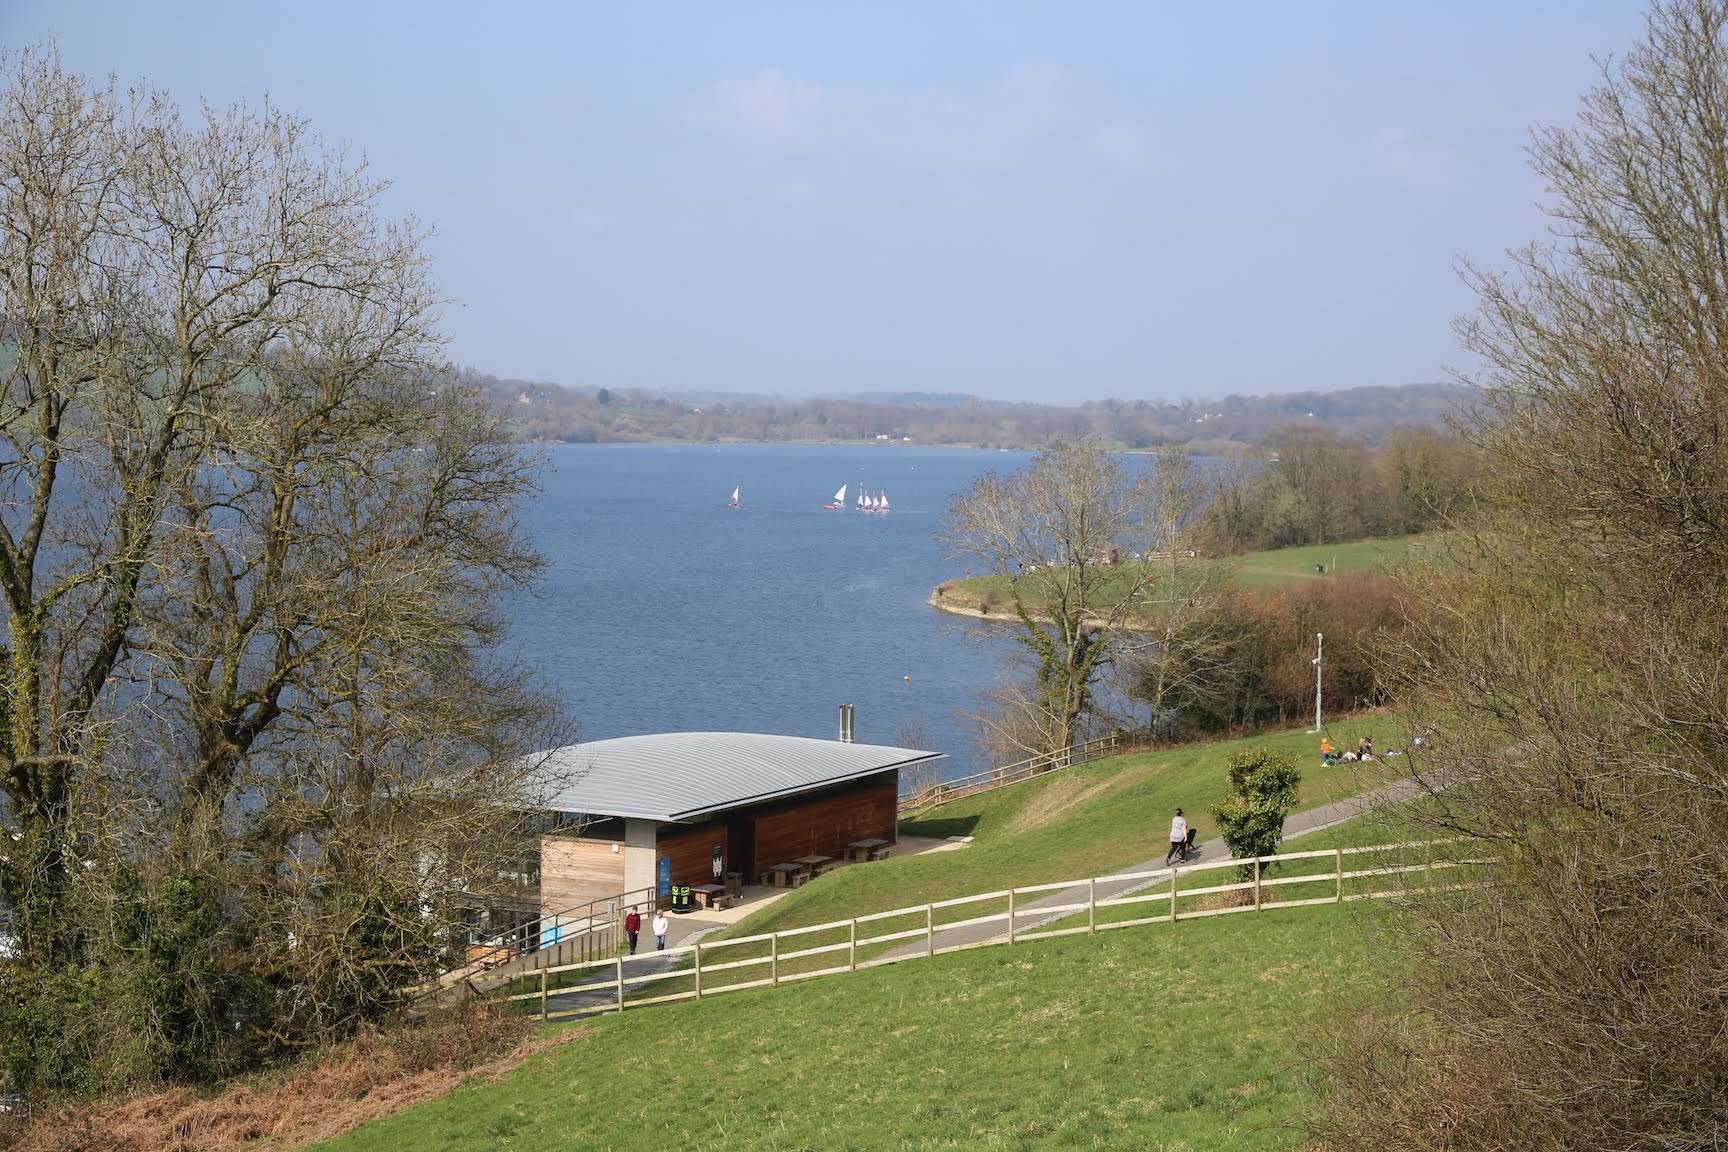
(1364, 750)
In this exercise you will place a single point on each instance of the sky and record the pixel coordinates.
(1044, 202)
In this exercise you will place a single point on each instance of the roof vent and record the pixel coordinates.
(846, 723)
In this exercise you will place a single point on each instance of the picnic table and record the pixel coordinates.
(782, 875)
(871, 849)
(814, 863)
(709, 892)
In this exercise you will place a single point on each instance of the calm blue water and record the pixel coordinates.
(665, 611)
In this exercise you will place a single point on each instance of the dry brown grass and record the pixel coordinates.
(373, 1076)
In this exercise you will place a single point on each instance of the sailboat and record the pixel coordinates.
(734, 501)
(839, 499)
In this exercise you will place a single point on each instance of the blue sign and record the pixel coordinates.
(663, 879)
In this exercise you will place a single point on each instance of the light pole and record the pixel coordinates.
(1319, 653)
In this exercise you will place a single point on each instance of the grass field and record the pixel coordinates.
(1173, 1037)
(1192, 1035)
(1255, 571)
(1077, 822)
(1259, 570)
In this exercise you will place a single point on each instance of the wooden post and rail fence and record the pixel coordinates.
(592, 930)
(1082, 907)
(924, 798)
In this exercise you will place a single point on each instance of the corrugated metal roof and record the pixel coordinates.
(683, 775)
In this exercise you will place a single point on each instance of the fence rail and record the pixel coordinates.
(929, 796)
(772, 959)
(588, 931)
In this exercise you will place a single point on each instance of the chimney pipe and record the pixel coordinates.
(846, 723)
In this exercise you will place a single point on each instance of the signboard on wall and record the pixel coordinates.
(663, 876)
(719, 861)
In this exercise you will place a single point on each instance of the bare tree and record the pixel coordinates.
(1174, 651)
(1075, 535)
(252, 530)
(1575, 654)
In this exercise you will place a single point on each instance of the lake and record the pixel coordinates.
(665, 610)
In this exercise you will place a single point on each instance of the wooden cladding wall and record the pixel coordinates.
(815, 824)
(823, 823)
(573, 872)
(691, 848)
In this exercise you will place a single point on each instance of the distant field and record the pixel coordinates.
(1185, 1037)
(1253, 570)
(1294, 565)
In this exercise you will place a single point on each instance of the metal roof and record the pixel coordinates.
(684, 775)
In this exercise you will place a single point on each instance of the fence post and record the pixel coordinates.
(620, 963)
(1172, 895)
(1092, 906)
(698, 948)
(852, 944)
(1010, 915)
(1427, 866)
(929, 930)
(1256, 883)
(774, 960)
(542, 993)
(1338, 854)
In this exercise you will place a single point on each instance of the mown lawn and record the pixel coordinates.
(1174, 1037)
(1256, 571)
(1283, 566)
(1077, 822)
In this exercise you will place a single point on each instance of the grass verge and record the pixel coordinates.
(1173, 1037)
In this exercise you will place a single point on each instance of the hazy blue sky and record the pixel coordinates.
(1051, 202)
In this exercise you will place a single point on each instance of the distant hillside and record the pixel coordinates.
(551, 412)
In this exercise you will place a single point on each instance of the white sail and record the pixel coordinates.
(735, 497)
(840, 497)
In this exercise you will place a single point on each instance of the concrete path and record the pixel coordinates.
(1131, 880)
(600, 992)
(601, 989)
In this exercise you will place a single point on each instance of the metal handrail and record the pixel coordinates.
(579, 927)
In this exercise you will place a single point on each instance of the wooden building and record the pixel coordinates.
(688, 808)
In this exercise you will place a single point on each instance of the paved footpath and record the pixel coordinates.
(601, 992)
(1131, 880)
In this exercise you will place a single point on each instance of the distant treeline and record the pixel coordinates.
(550, 412)
(1314, 486)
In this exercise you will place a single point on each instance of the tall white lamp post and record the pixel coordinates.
(1319, 653)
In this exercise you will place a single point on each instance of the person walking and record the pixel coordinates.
(1178, 837)
(660, 925)
(633, 927)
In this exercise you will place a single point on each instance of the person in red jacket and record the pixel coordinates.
(632, 926)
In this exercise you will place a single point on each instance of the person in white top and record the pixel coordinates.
(1178, 837)
(660, 925)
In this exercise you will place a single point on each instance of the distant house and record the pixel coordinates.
(687, 808)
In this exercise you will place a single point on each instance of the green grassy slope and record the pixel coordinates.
(1187, 1036)
(1077, 822)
